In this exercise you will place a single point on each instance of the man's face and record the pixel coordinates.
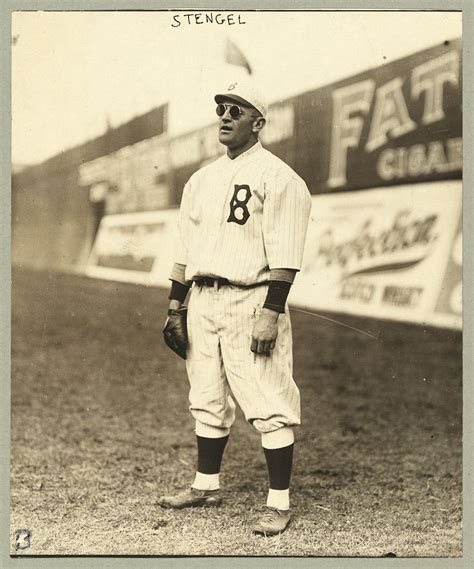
(235, 133)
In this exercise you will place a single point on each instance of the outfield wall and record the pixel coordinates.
(54, 216)
(393, 256)
(381, 153)
(395, 124)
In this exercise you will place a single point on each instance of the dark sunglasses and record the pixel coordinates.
(234, 111)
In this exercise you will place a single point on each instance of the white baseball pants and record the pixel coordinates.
(221, 367)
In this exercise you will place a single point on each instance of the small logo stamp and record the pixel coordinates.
(22, 539)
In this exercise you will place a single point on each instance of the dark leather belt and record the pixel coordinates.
(220, 282)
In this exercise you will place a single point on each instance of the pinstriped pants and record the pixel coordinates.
(222, 368)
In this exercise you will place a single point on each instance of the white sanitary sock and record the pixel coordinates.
(279, 499)
(206, 481)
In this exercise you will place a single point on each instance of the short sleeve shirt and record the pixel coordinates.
(241, 217)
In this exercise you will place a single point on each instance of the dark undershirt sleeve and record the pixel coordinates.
(281, 280)
(178, 291)
(277, 294)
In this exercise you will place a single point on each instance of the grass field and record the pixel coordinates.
(100, 429)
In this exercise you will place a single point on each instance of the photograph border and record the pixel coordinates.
(6, 9)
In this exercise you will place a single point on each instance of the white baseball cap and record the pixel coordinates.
(245, 92)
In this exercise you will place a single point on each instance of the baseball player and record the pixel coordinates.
(242, 228)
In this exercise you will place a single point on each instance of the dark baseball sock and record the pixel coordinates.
(279, 464)
(210, 453)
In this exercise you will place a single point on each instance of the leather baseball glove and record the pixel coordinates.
(175, 332)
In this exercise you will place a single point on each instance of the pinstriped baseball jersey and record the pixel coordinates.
(241, 217)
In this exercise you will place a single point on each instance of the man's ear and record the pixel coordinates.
(258, 124)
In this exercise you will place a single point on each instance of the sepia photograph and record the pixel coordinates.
(236, 283)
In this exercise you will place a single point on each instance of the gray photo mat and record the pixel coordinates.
(7, 7)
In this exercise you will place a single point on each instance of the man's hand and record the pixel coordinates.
(265, 332)
(175, 331)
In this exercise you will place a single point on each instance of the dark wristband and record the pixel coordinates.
(276, 296)
(178, 291)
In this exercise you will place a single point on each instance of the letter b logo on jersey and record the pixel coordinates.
(239, 212)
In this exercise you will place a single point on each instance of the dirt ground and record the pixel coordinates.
(100, 429)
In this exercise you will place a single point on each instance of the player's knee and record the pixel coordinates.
(282, 437)
(211, 431)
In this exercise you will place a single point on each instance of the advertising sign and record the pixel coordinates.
(394, 255)
(380, 254)
(448, 308)
(135, 247)
(395, 124)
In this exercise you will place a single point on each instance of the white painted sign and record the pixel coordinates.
(379, 253)
(393, 254)
(135, 247)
